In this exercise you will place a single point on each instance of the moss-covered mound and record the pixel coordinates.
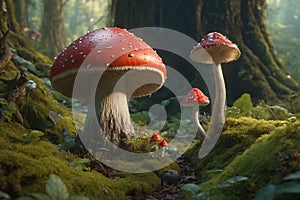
(251, 154)
(25, 168)
(30, 151)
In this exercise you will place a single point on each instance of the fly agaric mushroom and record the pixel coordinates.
(215, 49)
(196, 98)
(156, 138)
(163, 145)
(115, 52)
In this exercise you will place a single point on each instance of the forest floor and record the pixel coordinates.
(172, 191)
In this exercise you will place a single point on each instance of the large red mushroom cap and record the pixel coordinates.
(215, 47)
(112, 50)
(195, 96)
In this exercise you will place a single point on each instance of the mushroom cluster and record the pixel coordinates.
(128, 67)
(159, 141)
(215, 49)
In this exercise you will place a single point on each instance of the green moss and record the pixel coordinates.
(25, 167)
(238, 135)
(263, 151)
(28, 154)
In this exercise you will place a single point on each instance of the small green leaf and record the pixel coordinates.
(292, 176)
(202, 196)
(56, 189)
(78, 198)
(3, 195)
(164, 103)
(266, 193)
(232, 181)
(84, 160)
(214, 170)
(191, 187)
(68, 142)
(40, 196)
(244, 103)
(289, 187)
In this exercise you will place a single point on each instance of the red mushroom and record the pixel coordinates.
(156, 138)
(196, 98)
(163, 145)
(125, 62)
(215, 49)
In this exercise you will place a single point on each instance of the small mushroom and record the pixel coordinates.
(163, 145)
(196, 98)
(215, 49)
(126, 62)
(156, 138)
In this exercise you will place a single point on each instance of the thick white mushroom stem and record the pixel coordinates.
(218, 112)
(196, 120)
(113, 112)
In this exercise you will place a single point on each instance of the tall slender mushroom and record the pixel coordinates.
(126, 62)
(215, 49)
(196, 98)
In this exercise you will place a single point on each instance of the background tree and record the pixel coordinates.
(52, 28)
(258, 71)
(21, 12)
(283, 21)
(17, 41)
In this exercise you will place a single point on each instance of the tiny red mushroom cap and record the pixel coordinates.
(163, 143)
(156, 137)
(195, 95)
(215, 47)
(112, 50)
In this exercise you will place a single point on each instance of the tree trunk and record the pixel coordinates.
(52, 29)
(74, 18)
(21, 9)
(258, 71)
(17, 39)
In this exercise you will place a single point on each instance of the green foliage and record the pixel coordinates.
(270, 191)
(68, 142)
(140, 118)
(192, 191)
(79, 163)
(293, 176)
(244, 104)
(29, 153)
(243, 107)
(7, 110)
(260, 150)
(55, 190)
(4, 196)
(33, 135)
(232, 181)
